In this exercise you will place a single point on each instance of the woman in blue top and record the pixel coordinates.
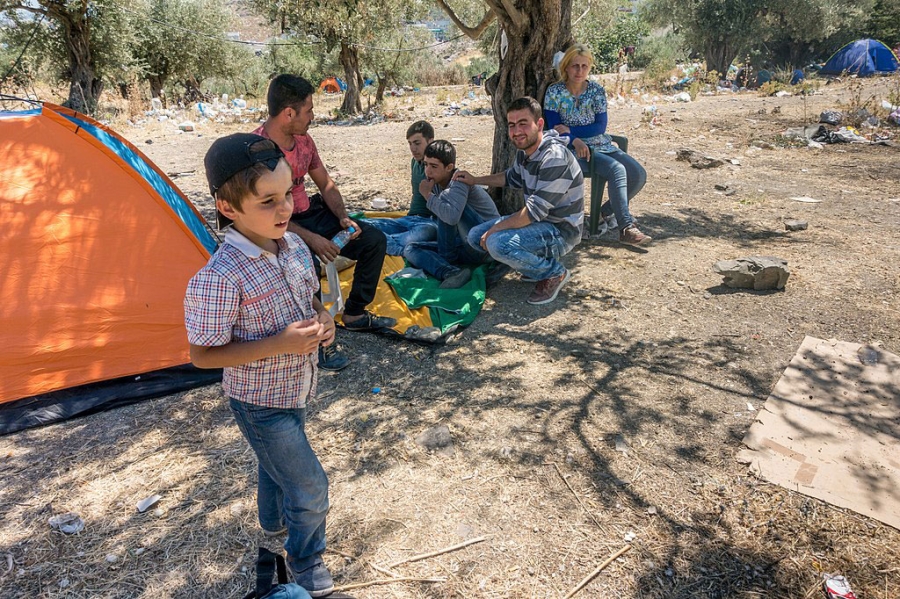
(576, 107)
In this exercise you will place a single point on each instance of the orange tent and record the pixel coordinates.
(98, 246)
(330, 85)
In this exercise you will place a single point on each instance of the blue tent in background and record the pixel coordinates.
(862, 57)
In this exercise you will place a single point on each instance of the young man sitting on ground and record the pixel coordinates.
(458, 207)
(550, 225)
(419, 223)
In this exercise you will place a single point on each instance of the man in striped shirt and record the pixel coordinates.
(532, 240)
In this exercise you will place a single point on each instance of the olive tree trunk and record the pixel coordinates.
(349, 59)
(84, 85)
(533, 35)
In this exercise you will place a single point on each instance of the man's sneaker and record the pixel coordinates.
(370, 322)
(331, 358)
(546, 291)
(457, 279)
(315, 578)
(631, 235)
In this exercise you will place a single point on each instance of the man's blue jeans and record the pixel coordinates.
(626, 178)
(533, 250)
(441, 259)
(292, 483)
(402, 231)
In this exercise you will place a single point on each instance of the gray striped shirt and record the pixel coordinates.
(553, 185)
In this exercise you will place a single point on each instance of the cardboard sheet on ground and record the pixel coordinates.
(831, 428)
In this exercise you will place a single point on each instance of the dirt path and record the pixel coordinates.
(644, 351)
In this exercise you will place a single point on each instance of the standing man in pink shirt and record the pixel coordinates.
(319, 218)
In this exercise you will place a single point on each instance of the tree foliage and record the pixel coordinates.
(607, 36)
(181, 41)
(346, 25)
(718, 30)
(87, 43)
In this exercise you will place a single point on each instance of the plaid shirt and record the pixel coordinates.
(245, 293)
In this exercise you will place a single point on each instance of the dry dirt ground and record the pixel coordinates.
(644, 350)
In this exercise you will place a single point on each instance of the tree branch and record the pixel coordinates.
(472, 32)
(517, 17)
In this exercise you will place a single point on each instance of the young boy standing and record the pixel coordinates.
(419, 223)
(252, 311)
(458, 207)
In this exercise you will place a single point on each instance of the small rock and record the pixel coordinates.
(621, 444)
(707, 295)
(437, 437)
(754, 272)
(582, 293)
(148, 142)
(721, 186)
(630, 536)
(112, 558)
(795, 225)
(651, 510)
(867, 354)
(698, 160)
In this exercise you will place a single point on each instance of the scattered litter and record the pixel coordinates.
(831, 117)
(837, 587)
(186, 126)
(750, 407)
(651, 510)
(621, 444)
(379, 203)
(68, 523)
(376, 390)
(148, 502)
(806, 200)
(111, 558)
(630, 536)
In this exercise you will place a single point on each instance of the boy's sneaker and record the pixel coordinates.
(316, 579)
(631, 235)
(546, 291)
(331, 358)
(457, 279)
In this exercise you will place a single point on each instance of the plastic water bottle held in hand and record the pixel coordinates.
(343, 237)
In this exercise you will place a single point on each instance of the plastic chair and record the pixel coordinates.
(598, 184)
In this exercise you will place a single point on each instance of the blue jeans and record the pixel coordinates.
(626, 178)
(402, 231)
(534, 250)
(440, 258)
(292, 483)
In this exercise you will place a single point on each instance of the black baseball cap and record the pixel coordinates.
(230, 155)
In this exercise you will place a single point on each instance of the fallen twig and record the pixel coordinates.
(371, 583)
(422, 556)
(575, 495)
(596, 571)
